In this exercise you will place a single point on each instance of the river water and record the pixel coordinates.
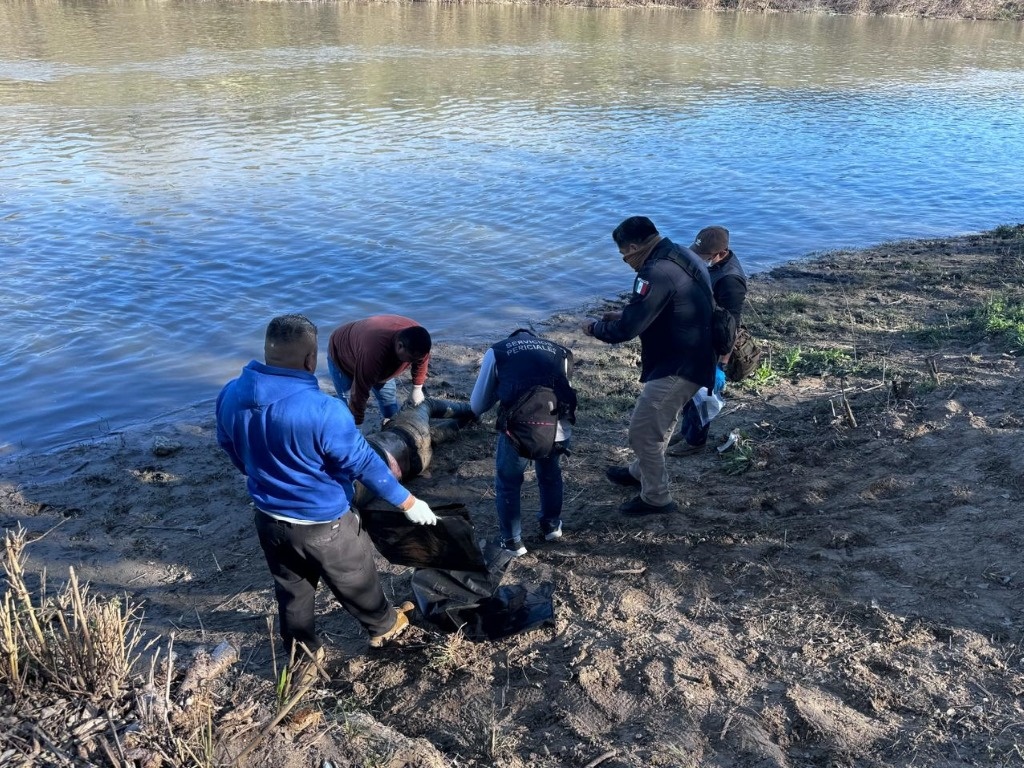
(174, 174)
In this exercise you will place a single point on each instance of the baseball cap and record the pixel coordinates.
(711, 240)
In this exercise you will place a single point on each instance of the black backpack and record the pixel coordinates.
(531, 422)
(723, 324)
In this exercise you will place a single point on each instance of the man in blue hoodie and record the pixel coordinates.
(301, 452)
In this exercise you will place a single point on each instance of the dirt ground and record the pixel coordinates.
(842, 588)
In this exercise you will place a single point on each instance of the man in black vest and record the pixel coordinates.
(670, 310)
(729, 286)
(508, 370)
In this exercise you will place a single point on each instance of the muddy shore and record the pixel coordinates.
(843, 587)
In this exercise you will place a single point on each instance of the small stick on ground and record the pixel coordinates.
(849, 412)
(601, 758)
(846, 407)
(223, 603)
(288, 707)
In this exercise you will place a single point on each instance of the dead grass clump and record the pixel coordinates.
(453, 653)
(69, 687)
(69, 642)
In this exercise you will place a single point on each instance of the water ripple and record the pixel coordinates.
(164, 193)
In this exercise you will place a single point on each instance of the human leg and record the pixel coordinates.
(692, 430)
(342, 381)
(387, 398)
(295, 583)
(654, 418)
(692, 435)
(549, 483)
(509, 468)
(342, 553)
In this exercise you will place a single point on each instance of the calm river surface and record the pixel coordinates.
(174, 174)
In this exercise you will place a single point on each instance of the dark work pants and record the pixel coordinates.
(339, 553)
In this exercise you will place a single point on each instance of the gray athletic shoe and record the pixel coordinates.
(514, 547)
(551, 531)
(683, 448)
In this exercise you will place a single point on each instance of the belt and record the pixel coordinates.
(287, 524)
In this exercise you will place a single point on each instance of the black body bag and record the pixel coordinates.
(451, 544)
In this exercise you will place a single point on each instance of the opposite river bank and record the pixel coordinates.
(994, 10)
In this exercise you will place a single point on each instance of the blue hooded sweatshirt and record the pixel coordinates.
(299, 448)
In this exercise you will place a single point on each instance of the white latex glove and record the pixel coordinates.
(421, 513)
(416, 396)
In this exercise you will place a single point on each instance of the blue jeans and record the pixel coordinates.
(508, 482)
(386, 393)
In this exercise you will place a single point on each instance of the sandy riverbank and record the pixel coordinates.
(842, 589)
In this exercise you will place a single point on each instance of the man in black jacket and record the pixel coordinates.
(729, 286)
(670, 310)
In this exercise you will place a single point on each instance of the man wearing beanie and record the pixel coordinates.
(729, 285)
(670, 310)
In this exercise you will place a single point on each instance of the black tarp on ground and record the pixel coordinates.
(457, 582)
(478, 604)
(451, 544)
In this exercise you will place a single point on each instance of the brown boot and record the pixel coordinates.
(400, 625)
(306, 669)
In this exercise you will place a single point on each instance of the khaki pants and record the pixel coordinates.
(654, 419)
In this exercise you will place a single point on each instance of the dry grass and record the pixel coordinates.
(70, 686)
(70, 642)
(81, 685)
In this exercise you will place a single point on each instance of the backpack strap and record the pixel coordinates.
(687, 267)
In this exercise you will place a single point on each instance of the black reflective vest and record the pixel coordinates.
(523, 360)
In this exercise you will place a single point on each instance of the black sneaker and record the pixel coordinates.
(514, 547)
(551, 531)
(637, 507)
(621, 476)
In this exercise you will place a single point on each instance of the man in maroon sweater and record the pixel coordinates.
(369, 354)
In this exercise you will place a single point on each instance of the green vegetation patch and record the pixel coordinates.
(792, 362)
(1000, 319)
(1009, 232)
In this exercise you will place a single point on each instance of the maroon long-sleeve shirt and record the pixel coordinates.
(365, 350)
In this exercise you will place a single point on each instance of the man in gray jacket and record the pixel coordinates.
(670, 310)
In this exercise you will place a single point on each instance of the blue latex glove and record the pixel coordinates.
(719, 380)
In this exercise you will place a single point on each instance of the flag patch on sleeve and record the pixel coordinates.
(641, 287)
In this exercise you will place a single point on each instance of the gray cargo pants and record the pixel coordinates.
(653, 422)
